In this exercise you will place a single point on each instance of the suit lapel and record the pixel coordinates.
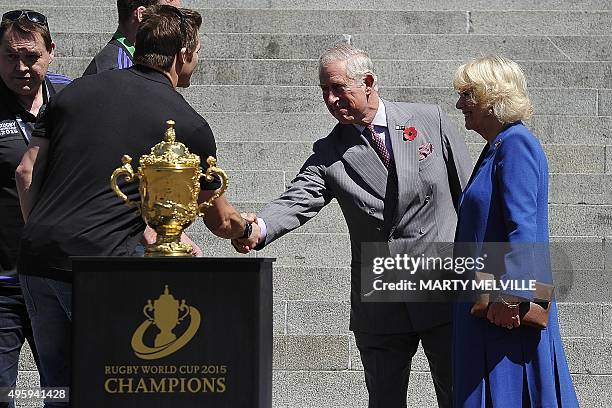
(405, 157)
(360, 156)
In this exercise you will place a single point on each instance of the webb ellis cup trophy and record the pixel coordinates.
(169, 187)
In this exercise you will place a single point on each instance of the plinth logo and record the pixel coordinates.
(166, 313)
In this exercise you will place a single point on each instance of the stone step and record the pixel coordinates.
(318, 353)
(324, 241)
(541, 22)
(583, 320)
(289, 156)
(355, 21)
(393, 73)
(312, 284)
(605, 102)
(556, 129)
(346, 388)
(266, 185)
(322, 389)
(334, 353)
(580, 189)
(294, 99)
(281, 127)
(104, 19)
(380, 46)
(355, 4)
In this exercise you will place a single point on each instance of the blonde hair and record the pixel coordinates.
(497, 83)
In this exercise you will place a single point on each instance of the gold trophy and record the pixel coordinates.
(169, 188)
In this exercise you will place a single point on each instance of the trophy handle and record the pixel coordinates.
(148, 309)
(212, 168)
(127, 171)
(183, 308)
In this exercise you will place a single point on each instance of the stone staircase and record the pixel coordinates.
(257, 86)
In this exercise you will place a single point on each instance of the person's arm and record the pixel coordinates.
(306, 195)
(29, 174)
(223, 220)
(520, 170)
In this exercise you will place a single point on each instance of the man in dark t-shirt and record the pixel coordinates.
(119, 52)
(79, 140)
(26, 50)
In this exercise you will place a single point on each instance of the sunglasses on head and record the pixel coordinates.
(32, 16)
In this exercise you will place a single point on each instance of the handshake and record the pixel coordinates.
(245, 245)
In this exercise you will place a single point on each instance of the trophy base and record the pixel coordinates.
(169, 249)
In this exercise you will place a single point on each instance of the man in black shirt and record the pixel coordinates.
(68, 202)
(26, 51)
(119, 52)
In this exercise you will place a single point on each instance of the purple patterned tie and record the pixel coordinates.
(379, 146)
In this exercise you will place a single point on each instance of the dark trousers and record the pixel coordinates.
(387, 358)
(49, 304)
(15, 328)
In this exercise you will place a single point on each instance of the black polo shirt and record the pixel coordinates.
(16, 124)
(90, 126)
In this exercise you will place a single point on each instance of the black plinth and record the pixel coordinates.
(214, 350)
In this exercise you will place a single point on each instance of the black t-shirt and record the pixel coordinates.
(90, 126)
(113, 56)
(16, 124)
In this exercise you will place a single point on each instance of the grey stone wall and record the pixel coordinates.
(257, 86)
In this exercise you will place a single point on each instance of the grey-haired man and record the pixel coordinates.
(397, 187)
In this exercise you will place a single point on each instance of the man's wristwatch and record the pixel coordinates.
(247, 231)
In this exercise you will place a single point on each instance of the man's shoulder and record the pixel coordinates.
(333, 136)
(111, 56)
(58, 81)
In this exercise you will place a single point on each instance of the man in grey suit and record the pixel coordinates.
(396, 170)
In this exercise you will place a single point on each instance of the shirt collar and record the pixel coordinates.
(151, 74)
(129, 47)
(10, 101)
(380, 119)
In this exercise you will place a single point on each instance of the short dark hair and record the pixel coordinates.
(126, 7)
(164, 30)
(26, 26)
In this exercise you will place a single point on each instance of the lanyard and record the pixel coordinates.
(26, 129)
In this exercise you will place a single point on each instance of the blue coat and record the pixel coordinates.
(506, 200)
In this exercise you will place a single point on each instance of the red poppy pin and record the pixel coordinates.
(410, 133)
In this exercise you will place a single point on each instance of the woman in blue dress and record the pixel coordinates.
(497, 361)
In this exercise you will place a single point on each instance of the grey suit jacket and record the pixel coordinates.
(411, 204)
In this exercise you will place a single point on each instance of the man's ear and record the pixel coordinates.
(184, 56)
(368, 81)
(137, 13)
(181, 56)
(52, 52)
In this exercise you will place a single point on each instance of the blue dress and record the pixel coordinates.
(506, 200)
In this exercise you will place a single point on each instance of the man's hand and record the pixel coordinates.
(250, 217)
(149, 236)
(244, 246)
(196, 250)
